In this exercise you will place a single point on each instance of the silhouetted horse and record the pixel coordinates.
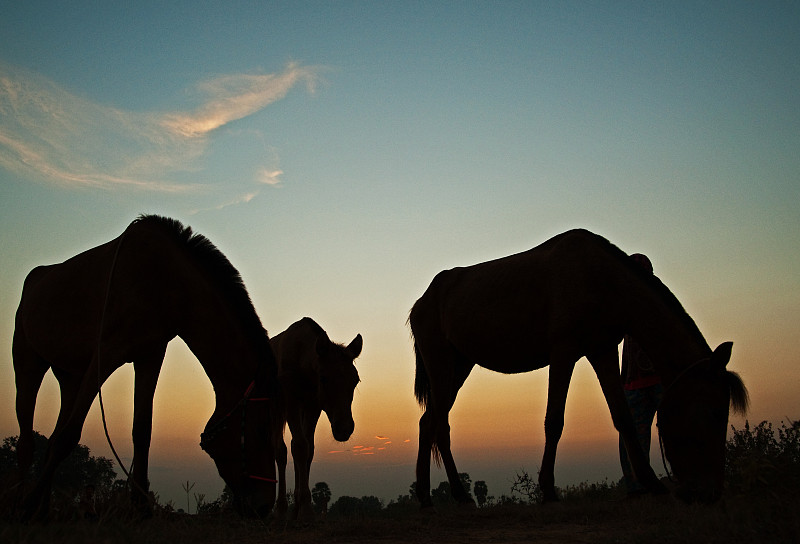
(575, 295)
(315, 374)
(123, 302)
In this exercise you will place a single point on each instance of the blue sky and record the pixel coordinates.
(340, 154)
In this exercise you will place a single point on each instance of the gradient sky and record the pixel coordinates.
(340, 154)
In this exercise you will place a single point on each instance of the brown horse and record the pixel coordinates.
(315, 374)
(123, 302)
(575, 295)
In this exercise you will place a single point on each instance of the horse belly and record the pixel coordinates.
(502, 348)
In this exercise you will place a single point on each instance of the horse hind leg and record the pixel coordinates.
(77, 395)
(29, 371)
(435, 428)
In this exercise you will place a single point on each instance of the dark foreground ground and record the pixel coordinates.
(649, 519)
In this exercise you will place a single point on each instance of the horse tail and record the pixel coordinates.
(422, 384)
(422, 388)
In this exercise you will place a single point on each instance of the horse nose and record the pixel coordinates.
(343, 430)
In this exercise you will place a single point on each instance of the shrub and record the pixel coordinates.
(760, 460)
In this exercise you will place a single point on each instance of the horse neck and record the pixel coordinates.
(215, 335)
(668, 337)
(299, 361)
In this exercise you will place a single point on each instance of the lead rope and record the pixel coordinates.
(99, 379)
(680, 375)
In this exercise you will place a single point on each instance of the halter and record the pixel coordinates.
(213, 431)
(680, 375)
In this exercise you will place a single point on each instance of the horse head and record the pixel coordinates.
(338, 378)
(693, 424)
(240, 443)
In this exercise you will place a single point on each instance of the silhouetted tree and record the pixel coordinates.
(321, 495)
(481, 492)
(77, 472)
(442, 494)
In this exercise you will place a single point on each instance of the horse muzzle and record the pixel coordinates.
(342, 431)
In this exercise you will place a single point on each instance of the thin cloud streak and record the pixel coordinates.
(50, 134)
(236, 96)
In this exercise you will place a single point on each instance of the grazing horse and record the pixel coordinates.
(575, 295)
(123, 301)
(315, 374)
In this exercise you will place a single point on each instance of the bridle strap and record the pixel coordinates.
(680, 376)
(222, 421)
(684, 372)
(244, 402)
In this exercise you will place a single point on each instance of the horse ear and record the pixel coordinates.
(354, 349)
(722, 355)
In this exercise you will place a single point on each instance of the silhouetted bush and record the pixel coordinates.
(82, 483)
(762, 460)
(354, 507)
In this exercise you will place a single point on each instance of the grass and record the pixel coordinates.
(738, 518)
(761, 504)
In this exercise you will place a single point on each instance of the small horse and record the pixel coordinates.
(123, 301)
(575, 295)
(315, 374)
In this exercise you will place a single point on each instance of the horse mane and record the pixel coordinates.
(209, 258)
(739, 397)
(657, 286)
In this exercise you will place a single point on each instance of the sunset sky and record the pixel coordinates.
(342, 153)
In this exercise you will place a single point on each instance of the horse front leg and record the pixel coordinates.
(559, 377)
(146, 372)
(300, 455)
(36, 504)
(281, 454)
(305, 510)
(606, 366)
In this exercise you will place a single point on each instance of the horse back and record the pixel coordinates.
(510, 314)
(60, 307)
(124, 283)
(295, 354)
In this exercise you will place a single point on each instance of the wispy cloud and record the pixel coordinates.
(237, 96)
(50, 134)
